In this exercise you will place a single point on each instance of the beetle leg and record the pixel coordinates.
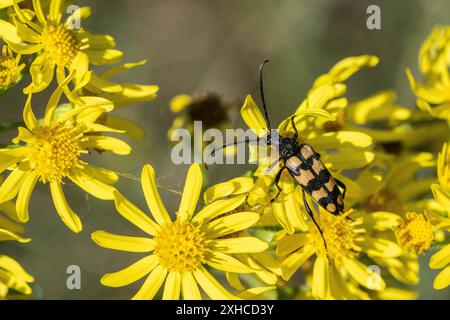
(277, 180)
(311, 214)
(342, 185)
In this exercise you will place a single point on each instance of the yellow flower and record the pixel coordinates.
(434, 96)
(208, 107)
(52, 150)
(121, 95)
(340, 262)
(10, 68)
(181, 248)
(58, 44)
(415, 234)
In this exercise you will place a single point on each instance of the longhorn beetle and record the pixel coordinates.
(304, 165)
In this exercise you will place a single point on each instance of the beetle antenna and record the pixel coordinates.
(261, 90)
(213, 152)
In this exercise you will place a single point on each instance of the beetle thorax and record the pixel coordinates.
(287, 147)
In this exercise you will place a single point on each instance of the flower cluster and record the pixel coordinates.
(264, 234)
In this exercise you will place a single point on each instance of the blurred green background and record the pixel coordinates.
(197, 45)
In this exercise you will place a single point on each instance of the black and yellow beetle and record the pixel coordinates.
(305, 167)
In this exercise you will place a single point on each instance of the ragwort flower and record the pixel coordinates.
(59, 46)
(53, 149)
(181, 249)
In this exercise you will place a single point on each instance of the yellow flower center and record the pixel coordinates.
(383, 200)
(9, 71)
(56, 150)
(415, 234)
(341, 236)
(60, 43)
(181, 246)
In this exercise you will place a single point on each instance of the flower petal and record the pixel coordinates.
(11, 185)
(239, 245)
(85, 179)
(42, 71)
(123, 243)
(235, 186)
(191, 192)
(363, 275)
(151, 193)
(379, 247)
(133, 214)
(23, 198)
(6, 235)
(440, 259)
(253, 117)
(152, 285)
(210, 285)
(15, 268)
(172, 287)
(290, 243)
(62, 207)
(294, 261)
(224, 262)
(101, 57)
(125, 125)
(331, 140)
(189, 287)
(106, 143)
(8, 32)
(130, 274)
(442, 280)
(321, 279)
(230, 224)
(218, 208)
